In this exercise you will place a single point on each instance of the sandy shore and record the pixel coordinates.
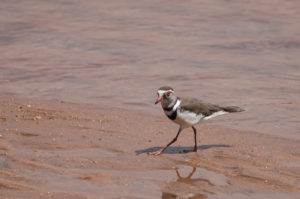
(55, 149)
(116, 54)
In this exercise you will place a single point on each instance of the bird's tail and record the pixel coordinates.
(232, 109)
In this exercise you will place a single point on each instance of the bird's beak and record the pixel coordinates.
(158, 100)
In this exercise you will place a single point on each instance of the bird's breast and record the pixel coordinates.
(188, 118)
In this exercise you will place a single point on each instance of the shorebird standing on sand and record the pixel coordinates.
(187, 112)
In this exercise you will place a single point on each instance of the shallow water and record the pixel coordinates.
(118, 53)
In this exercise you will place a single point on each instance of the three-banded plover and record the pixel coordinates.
(187, 112)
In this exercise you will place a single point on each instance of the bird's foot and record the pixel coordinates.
(155, 152)
(188, 151)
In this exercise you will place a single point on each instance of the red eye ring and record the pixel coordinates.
(168, 93)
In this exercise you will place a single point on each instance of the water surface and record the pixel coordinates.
(117, 53)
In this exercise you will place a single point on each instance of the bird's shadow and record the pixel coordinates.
(176, 150)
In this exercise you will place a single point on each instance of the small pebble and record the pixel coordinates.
(38, 117)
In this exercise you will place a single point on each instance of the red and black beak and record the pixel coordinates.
(158, 100)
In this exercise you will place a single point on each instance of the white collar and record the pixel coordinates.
(176, 105)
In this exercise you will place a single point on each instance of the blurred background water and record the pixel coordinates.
(117, 53)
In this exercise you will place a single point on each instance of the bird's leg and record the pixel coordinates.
(162, 149)
(195, 138)
(192, 173)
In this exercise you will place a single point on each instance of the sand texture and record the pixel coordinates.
(78, 81)
(54, 149)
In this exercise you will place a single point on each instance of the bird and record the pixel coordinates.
(187, 112)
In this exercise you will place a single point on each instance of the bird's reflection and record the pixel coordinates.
(186, 178)
(185, 183)
(189, 178)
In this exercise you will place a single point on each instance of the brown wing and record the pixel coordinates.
(198, 106)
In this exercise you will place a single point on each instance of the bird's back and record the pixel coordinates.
(199, 107)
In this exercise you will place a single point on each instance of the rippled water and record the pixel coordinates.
(117, 53)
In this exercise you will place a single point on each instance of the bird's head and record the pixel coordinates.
(164, 94)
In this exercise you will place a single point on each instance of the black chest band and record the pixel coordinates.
(173, 116)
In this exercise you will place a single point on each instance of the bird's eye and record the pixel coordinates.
(168, 93)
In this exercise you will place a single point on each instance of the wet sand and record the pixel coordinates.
(55, 149)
